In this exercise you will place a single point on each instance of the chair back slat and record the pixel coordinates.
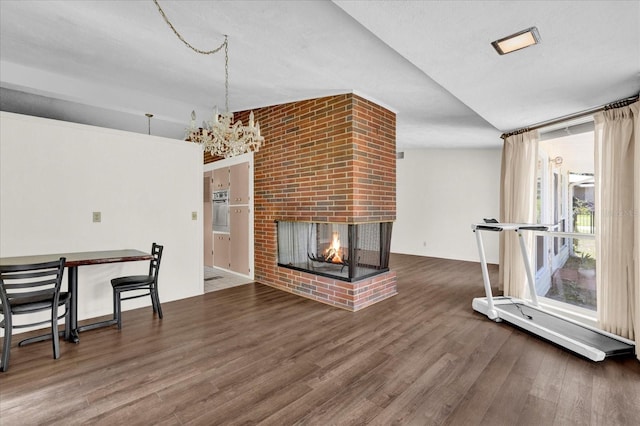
(14, 295)
(28, 284)
(30, 273)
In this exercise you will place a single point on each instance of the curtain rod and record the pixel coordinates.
(617, 104)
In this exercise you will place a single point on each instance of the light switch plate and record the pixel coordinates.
(97, 217)
(194, 215)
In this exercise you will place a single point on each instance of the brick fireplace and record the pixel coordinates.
(330, 161)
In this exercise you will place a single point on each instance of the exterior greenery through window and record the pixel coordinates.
(565, 267)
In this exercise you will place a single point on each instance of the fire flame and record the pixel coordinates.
(334, 252)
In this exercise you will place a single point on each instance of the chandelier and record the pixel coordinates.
(221, 136)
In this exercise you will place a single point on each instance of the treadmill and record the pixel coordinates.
(589, 342)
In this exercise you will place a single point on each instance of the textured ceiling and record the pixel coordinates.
(108, 63)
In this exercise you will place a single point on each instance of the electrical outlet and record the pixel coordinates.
(194, 215)
(97, 217)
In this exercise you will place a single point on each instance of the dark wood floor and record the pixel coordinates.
(252, 354)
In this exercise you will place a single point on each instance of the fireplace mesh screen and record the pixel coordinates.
(348, 252)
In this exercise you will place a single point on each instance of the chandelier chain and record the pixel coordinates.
(189, 45)
(226, 74)
(224, 44)
(221, 136)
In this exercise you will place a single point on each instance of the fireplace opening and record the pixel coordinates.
(348, 252)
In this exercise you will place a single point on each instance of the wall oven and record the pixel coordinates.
(220, 202)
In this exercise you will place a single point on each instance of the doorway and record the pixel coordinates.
(228, 252)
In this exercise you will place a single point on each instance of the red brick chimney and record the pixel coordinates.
(330, 159)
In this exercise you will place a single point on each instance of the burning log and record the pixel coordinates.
(324, 259)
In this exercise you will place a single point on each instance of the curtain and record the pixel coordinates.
(517, 205)
(617, 160)
(635, 312)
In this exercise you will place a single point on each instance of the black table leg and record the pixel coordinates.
(73, 315)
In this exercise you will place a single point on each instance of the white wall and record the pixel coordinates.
(440, 193)
(54, 174)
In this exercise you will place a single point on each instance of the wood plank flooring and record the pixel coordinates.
(256, 355)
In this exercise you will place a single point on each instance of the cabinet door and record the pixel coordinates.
(239, 241)
(207, 219)
(220, 179)
(221, 250)
(239, 184)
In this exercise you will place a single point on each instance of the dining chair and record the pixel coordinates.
(147, 283)
(27, 289)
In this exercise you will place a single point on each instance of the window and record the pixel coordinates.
(565, 266)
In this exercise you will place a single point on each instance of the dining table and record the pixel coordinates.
(74, 260)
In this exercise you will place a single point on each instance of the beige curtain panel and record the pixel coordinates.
(635, 109)
(517, 205)
(617, 177)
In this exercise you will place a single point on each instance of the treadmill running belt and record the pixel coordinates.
(576, 332)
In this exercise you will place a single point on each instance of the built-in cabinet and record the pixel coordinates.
(231, 249)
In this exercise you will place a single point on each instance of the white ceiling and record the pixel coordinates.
(108, 63)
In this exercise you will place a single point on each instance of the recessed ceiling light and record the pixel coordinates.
(517, 41)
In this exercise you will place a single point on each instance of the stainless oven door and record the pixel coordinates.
(221, 215)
